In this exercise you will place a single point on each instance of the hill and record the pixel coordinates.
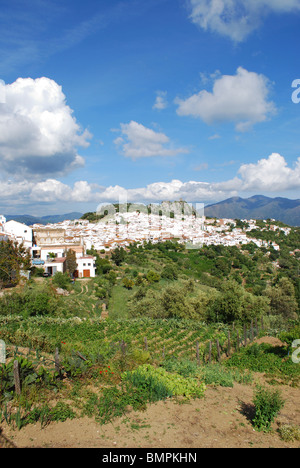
(257, 207)
(30, 220)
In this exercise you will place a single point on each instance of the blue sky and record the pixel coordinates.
(144, 101)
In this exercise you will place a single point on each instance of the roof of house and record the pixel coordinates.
(87, 257)
(57, 260)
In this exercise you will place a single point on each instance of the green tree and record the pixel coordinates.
(169, 272)
(153, 277)
(13, 259)
(118, 256)
(235, 304)
(227, 307)
(61, 280)
(128, 283)
(283, 299)
(71, 264)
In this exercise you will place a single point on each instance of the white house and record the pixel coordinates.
(86, 267)
(59, 251)
(20, 232)
(55, 265)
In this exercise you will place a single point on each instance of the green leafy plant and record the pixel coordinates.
(219, 375)
(114, 402)
(267, 405)
(168, 383)
(267, 359)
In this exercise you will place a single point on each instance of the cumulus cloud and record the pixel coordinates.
(138, 141)
(268, 175)
(52, 190)
(158, 191)
(237, 19)
(241, 98)
(271, 174)
(160, 101)
(38, 132)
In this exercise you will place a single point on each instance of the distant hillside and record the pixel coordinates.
(29, 220)
(257, 207)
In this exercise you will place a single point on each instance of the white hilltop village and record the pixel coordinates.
(49, 243)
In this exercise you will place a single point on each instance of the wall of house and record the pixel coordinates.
(21, 232)
(86, 267)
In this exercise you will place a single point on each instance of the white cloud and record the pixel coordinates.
(38, 132)
(52, 190)
(272, 174)
(160, 101)
(268, 175)
(174, 190)
(138, 141)
(240, 98)
(237, 19)
(214, 137)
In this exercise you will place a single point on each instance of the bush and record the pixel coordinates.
(61, 280)
(39, 305)
(152, 277)
(114, 401)
(128, 283)
(267, 359)
(37, 272)
(169, 272)
(218, 375)
(267, 405)
(162, 384)
(183, 367)
(289, 433)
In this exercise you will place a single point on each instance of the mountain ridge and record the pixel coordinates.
(30, 220)
(257, 207)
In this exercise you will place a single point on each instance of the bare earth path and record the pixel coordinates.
(220, 420)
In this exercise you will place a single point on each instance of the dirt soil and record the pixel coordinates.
(222, 419)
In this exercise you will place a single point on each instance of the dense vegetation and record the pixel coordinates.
(165, 306)
(13, 258)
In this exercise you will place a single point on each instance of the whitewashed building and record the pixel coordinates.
(20, 232)
(86, 267)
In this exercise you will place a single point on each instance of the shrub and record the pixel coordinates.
(289, 433)
(216, 374)
(128, 283)
(163, 384)
(40, 304)
(61, 280)
(169, 272)
(113, 403)
(183, 367)
(268, 359)
(153, 277)
(267, 405)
